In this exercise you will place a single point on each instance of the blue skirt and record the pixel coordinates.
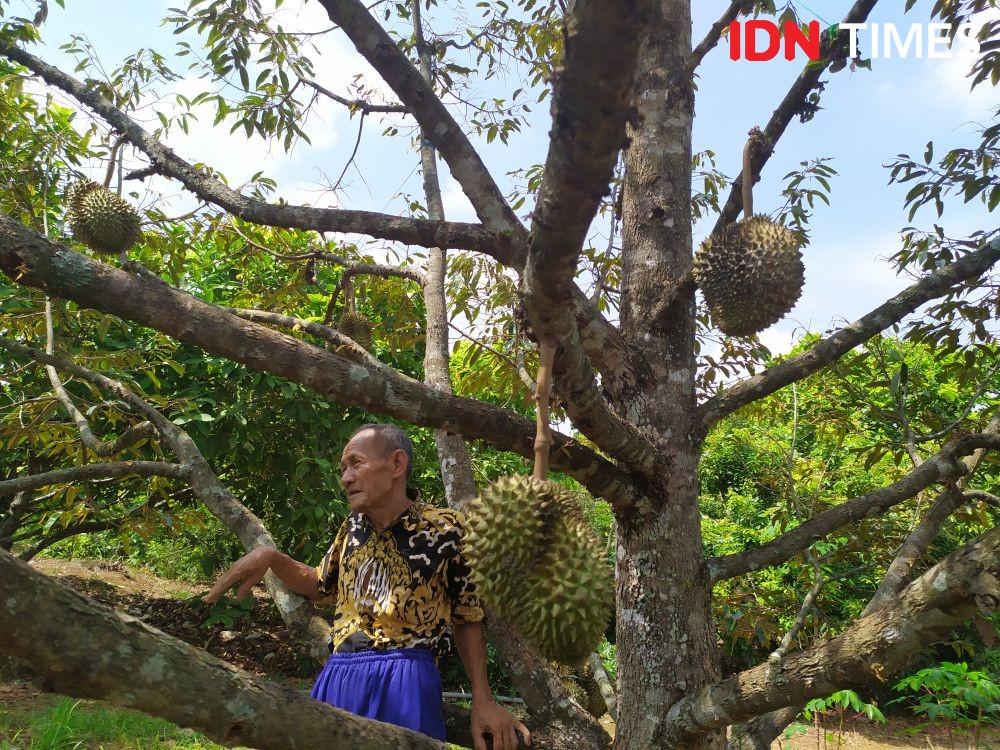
(398, 686)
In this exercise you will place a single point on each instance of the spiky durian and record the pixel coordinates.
(75, 194)
(356, 326)
(101, 220)
(536, 561)
(751, 274)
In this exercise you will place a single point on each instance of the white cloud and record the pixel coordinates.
(456, 205)
(948, 81)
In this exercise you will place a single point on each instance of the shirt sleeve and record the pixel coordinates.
(465, 605)
(328, 571)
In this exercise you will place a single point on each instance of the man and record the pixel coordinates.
(396, 569)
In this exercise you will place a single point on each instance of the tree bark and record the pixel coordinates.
(874, 648)
(663, 586)
(106, 655)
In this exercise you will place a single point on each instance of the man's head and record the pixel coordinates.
(375, 466)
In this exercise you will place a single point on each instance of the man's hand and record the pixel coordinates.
(488, 717)
(250, 569)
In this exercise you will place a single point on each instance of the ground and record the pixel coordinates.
(253, 639)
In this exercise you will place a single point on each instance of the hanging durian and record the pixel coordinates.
(534, 558)
(750, 272)
(355, 325)
(101, 220)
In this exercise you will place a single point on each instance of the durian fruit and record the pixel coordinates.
(358, 327)
(535, 560)
(101, 220)
(751, 274)
(75, 194)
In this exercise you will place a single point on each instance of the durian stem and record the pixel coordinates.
(543, 435)
(114, 161)
(747, 182)
(349, 294)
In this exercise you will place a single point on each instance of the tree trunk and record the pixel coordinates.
(665, 633)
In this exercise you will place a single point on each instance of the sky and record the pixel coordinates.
(868, 117)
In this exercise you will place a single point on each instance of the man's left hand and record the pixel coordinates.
(489, 717)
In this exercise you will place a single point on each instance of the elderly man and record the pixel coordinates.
(396, 569)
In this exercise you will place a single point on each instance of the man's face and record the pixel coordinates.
(368, 471)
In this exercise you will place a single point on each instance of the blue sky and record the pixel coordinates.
(868, 117)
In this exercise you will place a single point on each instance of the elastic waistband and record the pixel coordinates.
(383, 655)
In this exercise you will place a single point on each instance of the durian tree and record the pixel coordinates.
(627, 325)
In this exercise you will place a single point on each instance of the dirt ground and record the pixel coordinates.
(258, 644)
(897, 734)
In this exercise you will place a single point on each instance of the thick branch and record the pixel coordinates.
(113, 470)
(762, 731)
(833, 347)
(103, 654)
(590, 104)
(604, 344)
(211, 190)
(907, 557)
(873, 648)
(344, 345)
(944, 465)
(31, 260)
(436, 122)
(790, 106)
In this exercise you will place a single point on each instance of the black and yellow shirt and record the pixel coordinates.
(402, 586)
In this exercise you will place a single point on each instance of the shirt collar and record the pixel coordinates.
(411, 515)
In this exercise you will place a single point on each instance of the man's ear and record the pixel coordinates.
(399, 463)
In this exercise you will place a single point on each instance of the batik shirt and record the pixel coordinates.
(404, 585)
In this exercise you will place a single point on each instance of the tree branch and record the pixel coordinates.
(100, 448)
(356, 269)
(763, 730)
(436, 122)
(603, 343)
(112, 470)
(106, 655)
(590, 103)
(88, 527)
(944, 465)
(356, 105)
(345, 345)
(872, 649)
(901, 569)
(790, 106)
(31, 260)
(833, 347)
(507, 245)
(736, 9)
(311, 631)
(211, 190)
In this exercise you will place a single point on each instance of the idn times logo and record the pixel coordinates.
(759, 40)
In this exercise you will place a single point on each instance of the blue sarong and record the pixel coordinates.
(398, 686)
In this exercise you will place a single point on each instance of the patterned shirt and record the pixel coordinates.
(402, 586)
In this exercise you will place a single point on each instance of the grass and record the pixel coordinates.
(88, 725)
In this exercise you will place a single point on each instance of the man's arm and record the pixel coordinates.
(488, 717)
(250, 569)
